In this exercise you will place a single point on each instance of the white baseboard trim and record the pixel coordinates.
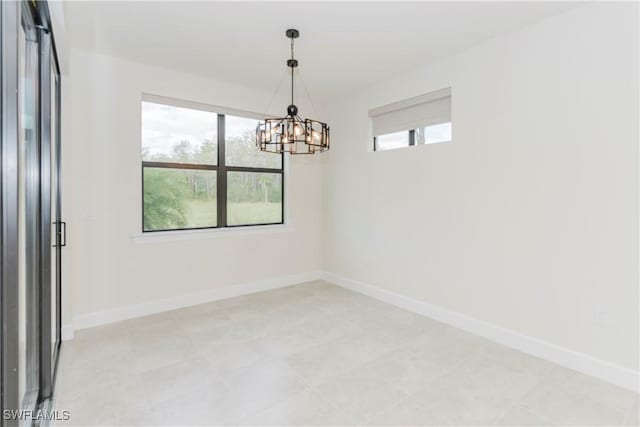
(610, 372)
(66, 332)
(98, 318)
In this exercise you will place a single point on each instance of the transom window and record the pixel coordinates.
(424, 119)
(419, 136)
(201, 169)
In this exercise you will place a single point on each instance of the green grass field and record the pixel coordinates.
(202, 213)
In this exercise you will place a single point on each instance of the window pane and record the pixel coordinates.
(435, 133)
(181, 135)
(254, 198)
(241, 150)
(392, 140)
(179, 198)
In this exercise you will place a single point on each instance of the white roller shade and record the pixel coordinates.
(424, 110)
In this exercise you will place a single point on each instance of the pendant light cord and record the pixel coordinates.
(292, 70)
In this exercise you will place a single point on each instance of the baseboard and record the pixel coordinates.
(98, 318)
(618, 375)
(66, 332)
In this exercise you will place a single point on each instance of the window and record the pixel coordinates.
(201, 169)
(421, 120)
(390, 141)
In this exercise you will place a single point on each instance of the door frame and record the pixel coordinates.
(49, 67)
(9, 262)
(44, 98)
(60, 232)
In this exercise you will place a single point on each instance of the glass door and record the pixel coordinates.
(31, 230)
(50, 226)
(58, 229)
(29, 180)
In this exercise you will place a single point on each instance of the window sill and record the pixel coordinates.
(213, 233)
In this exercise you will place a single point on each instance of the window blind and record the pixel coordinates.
(424, 110)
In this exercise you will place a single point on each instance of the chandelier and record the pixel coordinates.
(292, 134)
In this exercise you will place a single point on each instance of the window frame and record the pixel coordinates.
(221, 168)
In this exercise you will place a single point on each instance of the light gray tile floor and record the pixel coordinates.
(316, 354)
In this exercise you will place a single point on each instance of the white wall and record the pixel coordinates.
(106, 269)
(529, 218)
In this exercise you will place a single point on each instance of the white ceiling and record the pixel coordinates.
(342, 47)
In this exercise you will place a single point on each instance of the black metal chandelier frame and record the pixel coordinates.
(292, 134)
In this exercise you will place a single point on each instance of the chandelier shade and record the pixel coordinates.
(292, 134)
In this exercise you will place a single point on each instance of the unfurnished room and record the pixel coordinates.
(319, 213)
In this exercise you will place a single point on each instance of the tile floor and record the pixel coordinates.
(316, 354)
